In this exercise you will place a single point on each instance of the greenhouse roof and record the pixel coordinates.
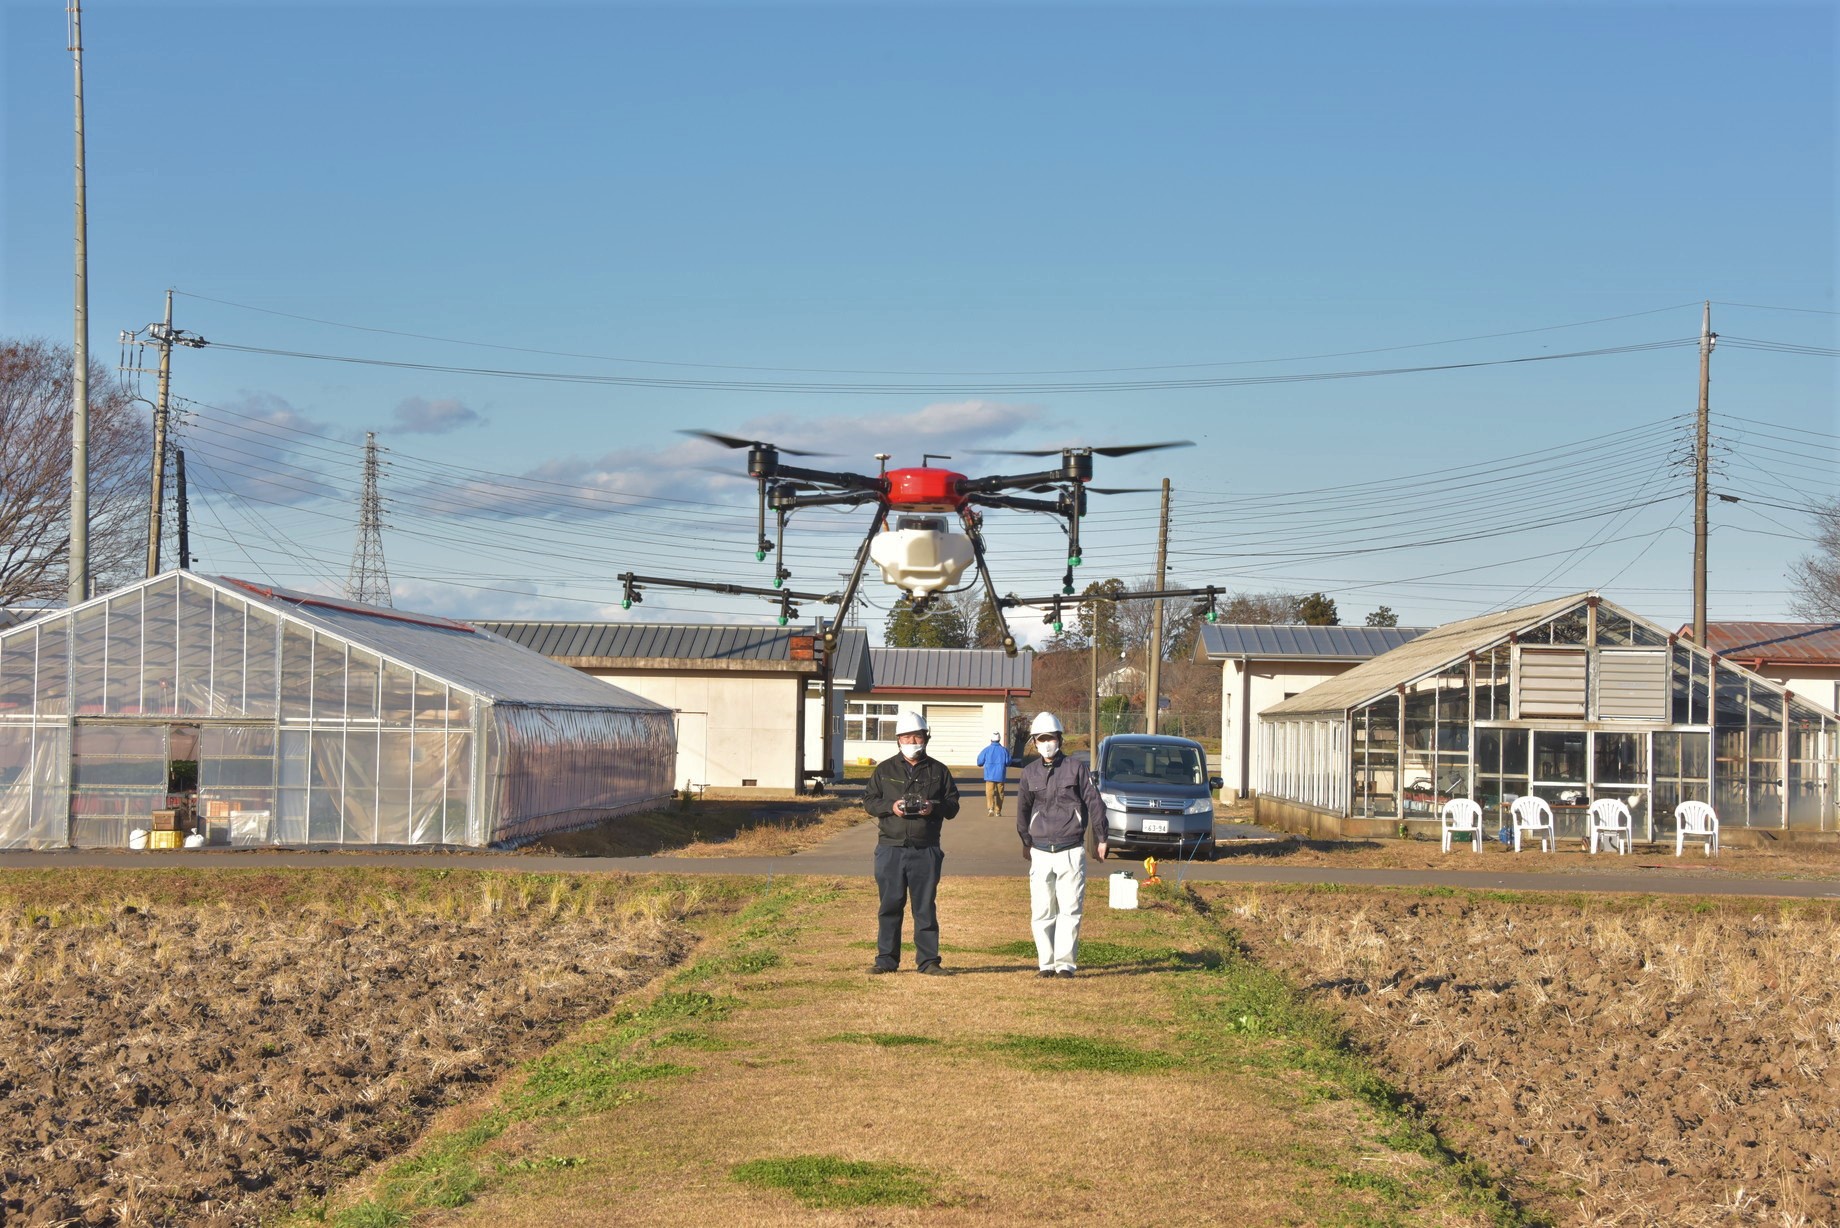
(464, 656)
(1427, 654)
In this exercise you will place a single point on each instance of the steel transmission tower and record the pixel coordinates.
(368, 581)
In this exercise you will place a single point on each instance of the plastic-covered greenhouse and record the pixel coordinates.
(1570, 700)
(271, 717)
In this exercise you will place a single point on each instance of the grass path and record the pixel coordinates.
(774, 1082)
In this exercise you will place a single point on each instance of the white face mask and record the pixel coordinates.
(1049, 747)
(912, 750)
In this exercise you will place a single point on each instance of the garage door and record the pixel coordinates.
(958, 732)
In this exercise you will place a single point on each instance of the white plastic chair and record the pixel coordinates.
(1461, 814)
(1532, 814)
(1696, 821)
(1610, 821)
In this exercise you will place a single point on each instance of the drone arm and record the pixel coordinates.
(1020, 503)
(996, 603)
(860, 482)
(848, 498)
(1010, 481)
(849, 589)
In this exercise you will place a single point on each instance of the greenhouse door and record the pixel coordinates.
(118, 778)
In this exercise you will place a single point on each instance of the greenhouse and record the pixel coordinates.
(251, 715)
(1570, 700)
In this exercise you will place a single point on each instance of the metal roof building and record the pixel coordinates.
(1302, 643)
(298, 719)
(1571, 700)
(946, 670)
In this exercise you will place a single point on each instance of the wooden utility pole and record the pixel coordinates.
(1092, 697)
(157, 511)
(185, 511)
(79, 375)
(1700, 466)
(1153, 683)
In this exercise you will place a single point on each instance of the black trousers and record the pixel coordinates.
(907, 876)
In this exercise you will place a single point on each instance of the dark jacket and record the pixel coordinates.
(925, 778)
(1056, 804)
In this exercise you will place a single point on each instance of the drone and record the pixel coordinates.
(911, 537)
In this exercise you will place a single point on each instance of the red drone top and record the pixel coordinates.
(925, 490)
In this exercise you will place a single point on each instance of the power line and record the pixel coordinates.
(842, 389)
(722, 366)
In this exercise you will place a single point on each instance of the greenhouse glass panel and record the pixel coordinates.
(90, 671)
(430, 702)
(1376, 785)
(459, 788)
(1614, 630)
(1730, 744)
(117, 780)
(395, 753)
(1570, 628)
(363, 671)
(427, 815)
(291, 807)
(193, 674)
(260, 662)
(326, 788)
(296, 672)
(18, 665)
(1690, 684)
(361, 785)
(51, 680)
(396, 708)
(159, 647)
(1807, 783)
(1765, 748)
(228, 653)
(17, 777)
(328, 678)
(1501, 772)
(236, 783)
(51, 785)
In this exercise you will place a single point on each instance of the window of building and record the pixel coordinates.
(870, 722)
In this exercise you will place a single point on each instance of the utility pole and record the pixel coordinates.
(165, 336)
(79, 376)
(368, 581)
(1153, 684)
(185, 511)
(1707, 339)
(1092, 693)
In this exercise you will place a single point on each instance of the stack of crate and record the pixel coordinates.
(165, 833)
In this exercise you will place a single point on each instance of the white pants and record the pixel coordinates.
(1057, 890)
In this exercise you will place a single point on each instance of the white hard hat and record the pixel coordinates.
(910, 722)
(996, 737)
(1045, 722)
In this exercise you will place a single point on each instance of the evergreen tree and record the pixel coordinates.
(942, 626)
(1383, 617)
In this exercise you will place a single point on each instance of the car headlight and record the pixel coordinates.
(1113, 801)
(1201, 805)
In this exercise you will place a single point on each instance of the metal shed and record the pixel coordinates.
(1572, 700)
(279, 717)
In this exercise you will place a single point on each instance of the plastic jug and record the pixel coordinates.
(1124, 890)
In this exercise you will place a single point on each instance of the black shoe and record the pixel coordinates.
(935, 970)
(1045, 972)
(1065, 972)
(878, 970)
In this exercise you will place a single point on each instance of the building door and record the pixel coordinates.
(958, 731)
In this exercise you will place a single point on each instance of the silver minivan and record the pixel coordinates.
(1158, 795)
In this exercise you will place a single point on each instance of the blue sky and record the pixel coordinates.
(935, 194)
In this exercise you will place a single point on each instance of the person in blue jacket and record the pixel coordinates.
(994, 759)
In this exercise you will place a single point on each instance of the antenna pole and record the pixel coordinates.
(79, 375)
(1707, 338)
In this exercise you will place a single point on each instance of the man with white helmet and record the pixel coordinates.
(1057, 804)
(910, 795)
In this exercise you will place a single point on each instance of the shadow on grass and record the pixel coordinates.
(1230, 850)
(738, 826)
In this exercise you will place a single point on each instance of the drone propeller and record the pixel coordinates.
(1124, 449)
(735, 441)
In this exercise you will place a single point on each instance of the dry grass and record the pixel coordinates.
(1641, 1062)
(941, 1079)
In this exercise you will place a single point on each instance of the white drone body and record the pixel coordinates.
(920, 557)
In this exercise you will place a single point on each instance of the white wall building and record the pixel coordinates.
(966, 694)
(1262, 665)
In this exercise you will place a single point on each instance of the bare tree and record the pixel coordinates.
(35, 378)
(1817, 576)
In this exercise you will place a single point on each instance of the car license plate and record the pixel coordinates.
(1156, 827)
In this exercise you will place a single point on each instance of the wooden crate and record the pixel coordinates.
(166, 820)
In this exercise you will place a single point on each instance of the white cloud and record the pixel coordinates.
(420, 416)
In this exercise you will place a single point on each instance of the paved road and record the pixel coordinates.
(976, 846)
